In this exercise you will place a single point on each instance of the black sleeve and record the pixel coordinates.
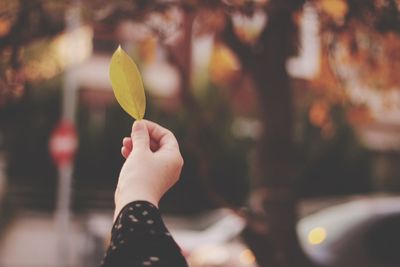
(140, 238)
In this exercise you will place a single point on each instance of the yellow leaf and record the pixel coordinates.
(127, 84)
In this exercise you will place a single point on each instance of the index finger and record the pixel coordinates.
(161, 135)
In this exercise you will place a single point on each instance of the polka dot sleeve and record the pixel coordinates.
(140, 238)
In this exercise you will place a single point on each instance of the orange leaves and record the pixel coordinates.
(5, 26)
(374, 57)
(391, 59)
(359, 115)
(224, 64)
(336, 9)
(318, 114)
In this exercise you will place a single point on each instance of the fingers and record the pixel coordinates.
(127, 142)
(146, 133)
(125, 152)
(127, 146)
(164, 137)
(154, 146)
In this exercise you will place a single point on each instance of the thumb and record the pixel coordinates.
(140, 135)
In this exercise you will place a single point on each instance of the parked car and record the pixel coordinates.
(360, 233)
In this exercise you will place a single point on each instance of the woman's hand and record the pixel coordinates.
(153, 164)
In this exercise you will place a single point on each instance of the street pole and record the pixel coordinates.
(65, 171)
(63, 213)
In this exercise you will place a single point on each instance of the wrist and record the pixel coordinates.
(122, 201)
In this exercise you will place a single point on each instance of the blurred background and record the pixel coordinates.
(287, 113)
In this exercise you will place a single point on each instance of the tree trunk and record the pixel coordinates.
(272, 236)
(278, 244)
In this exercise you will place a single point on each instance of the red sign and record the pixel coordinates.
(63, 143)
